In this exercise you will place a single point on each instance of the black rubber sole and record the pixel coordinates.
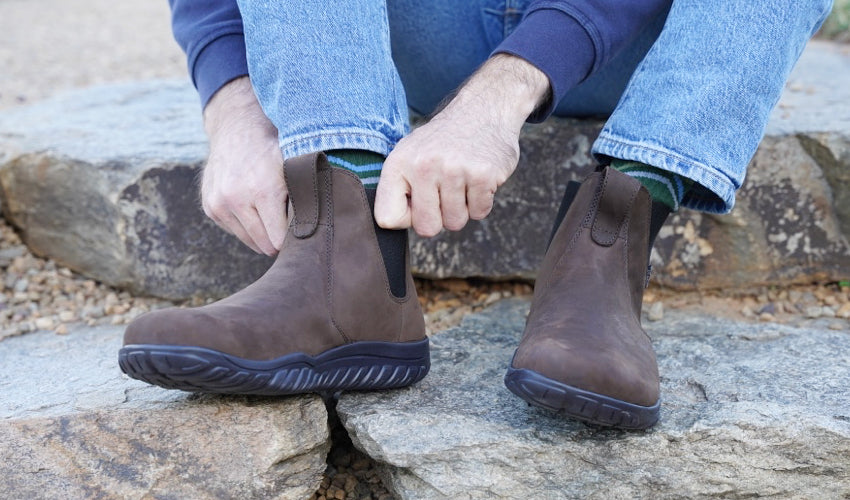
(355, 366)
(579, 404)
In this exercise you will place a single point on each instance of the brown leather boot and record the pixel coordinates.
(583, 352)
(322, 318)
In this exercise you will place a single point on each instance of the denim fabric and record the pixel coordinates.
(698, 103)
(693, 99)
(324, 74)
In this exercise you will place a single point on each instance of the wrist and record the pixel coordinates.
(509, 85)
(236, 105)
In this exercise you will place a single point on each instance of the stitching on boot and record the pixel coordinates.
(303, 229)
(585, 224)
(329, 245)
(594, 203)
(601, 235)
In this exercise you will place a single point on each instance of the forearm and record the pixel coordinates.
(235, 109)
(505, 89)
(569, 40)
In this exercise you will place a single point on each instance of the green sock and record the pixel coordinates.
(365, 164)
(664, 187)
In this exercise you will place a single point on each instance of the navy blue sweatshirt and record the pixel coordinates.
(566, 39)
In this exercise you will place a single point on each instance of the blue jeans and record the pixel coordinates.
(691, 94)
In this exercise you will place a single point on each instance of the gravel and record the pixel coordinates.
(39, 294)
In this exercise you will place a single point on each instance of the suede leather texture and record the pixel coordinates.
(584, 327)
(327, 287)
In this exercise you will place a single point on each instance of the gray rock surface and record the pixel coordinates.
(104, 182)
(748, 410)
(116, 198)
(73, 426)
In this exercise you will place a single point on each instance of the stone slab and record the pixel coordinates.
(748, 410)
(116, 198)
(73, 426)
(105, 182)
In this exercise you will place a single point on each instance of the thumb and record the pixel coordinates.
(392, 206)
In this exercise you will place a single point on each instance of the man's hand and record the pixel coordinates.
(242, 189)
(447, 171)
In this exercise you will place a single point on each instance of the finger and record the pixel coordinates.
(231, 224)
(392, 205)
(453, 206)
(425, 214)
(272, 212)
(250, 220)
(479, 201)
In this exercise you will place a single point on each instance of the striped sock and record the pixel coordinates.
(365, 164)
(663, 186)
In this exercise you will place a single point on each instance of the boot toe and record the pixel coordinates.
(165, 327)
(616, 373)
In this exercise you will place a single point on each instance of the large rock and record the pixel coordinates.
(748, 410)
(104, 181)
(72, 426)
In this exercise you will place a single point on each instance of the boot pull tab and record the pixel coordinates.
(613, 205)
(300, 174)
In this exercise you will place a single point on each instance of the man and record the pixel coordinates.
(328, 95)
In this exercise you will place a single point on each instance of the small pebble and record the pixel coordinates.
(767, 317)
(44, 323)
(769, 308)
(809, 298)
(813, 312)
(493, 297)
(361, 463)
(656, 311)
(351, 483)
(21, 286)
(836, 325)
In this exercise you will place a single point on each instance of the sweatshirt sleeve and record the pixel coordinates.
(210, 33)
(569, 40)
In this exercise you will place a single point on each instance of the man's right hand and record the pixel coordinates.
(242, 188)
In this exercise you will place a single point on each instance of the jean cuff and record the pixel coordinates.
(712, 192)
(353, 138)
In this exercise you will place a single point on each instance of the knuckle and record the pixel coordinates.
(213, 206)
(425, 168)
(233, 199)
(480, 178)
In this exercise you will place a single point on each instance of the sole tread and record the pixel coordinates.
(348, 367)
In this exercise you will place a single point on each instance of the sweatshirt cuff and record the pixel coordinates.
(221, 61)
(559, 46)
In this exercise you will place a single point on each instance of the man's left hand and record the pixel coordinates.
(448, 170)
